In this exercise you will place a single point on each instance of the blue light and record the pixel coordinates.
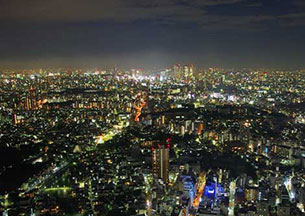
(211, 191)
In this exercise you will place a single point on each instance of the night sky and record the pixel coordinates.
(152, 33)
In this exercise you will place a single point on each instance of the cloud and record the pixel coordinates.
(215, 2)
(103, 10)
(293, 15)
(292, 19)
(299, 3)
(198, 12)
(235, 22)
(92, 10)
(60, 10)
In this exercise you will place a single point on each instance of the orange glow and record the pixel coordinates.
(200, 189)
(138, 109)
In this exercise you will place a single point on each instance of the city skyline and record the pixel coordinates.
(180, 142)
(152, 107)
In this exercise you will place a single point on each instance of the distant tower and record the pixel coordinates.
(68, 72)
(31, 100)
(191, 71)
(188, 72)
(262, 76)
(178, 71)
(160, 161)
(115, 72)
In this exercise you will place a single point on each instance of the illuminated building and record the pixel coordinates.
(163, 119)
(262, 76)
(187, 72)
(31, 100)
(200, 129)
(18, 119)
(115, 72)
(184, 73)
(160, 161)
(178, 71)
(187, 184)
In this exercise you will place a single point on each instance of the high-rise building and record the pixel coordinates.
(31, 100)
(115, 72)
(188, 72)
(184, 73)
(262, 76)
(160, 161)
(178, 71)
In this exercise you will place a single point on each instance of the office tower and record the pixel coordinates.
(31, 100)
(188, 72)
(160, 161)
(178, 71)
(115, 72)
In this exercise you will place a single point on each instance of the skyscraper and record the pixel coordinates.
(184, 73)
(31, 100)
(188, 72)
(160, 161)
(178, 71)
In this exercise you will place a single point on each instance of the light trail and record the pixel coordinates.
(200, 189)
(138, 105)
(57, 189)
(139, 110)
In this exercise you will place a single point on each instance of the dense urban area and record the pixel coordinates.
(173, 142)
